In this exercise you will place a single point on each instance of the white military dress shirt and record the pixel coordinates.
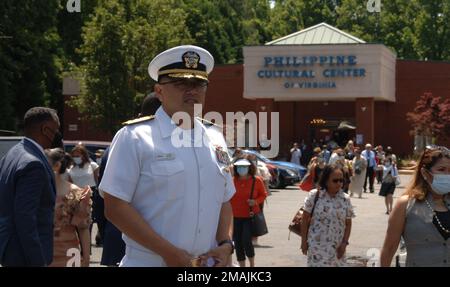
(178, 191)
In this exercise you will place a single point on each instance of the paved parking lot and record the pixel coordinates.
(369, 227)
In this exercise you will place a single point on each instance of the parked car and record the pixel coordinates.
(6, 143)
(91, 146)
(288, 173)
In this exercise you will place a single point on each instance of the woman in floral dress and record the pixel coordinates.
(326, 232)
(72, 216)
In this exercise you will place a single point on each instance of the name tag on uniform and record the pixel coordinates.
(222, 156)
(165, 156)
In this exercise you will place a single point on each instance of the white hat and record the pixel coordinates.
(368, 145)
(186, 61)
(242, 162)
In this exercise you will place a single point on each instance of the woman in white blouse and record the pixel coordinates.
(84, 172)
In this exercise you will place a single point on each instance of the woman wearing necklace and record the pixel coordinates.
(422, 214)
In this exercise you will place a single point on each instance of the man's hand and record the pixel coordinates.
(178, 258)
(341, 250)
(219, 254)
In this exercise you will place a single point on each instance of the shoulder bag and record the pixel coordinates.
(258, 221)
(296, 223)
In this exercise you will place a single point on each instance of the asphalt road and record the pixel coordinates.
(276, 249)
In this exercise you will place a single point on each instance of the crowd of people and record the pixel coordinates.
(421, 216)
(360, 169)
(157, 204)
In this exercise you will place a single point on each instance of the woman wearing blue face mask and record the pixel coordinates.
(387, 189)
(421, 216)
(244, 181)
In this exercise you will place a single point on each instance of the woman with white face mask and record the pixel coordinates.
(421, 216)
(244, 199)
(84, 172)
(387, 189)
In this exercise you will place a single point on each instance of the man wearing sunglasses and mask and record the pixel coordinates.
(27, 193)
(171, 202)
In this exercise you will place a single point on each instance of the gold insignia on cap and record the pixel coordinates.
(191, 59)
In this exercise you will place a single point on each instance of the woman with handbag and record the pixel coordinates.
(387, 189)
(250, 193)
(327, 221)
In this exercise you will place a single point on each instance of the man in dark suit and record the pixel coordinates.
(27, 193)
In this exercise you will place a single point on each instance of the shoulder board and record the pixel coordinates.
(208, 123)
(138, 120)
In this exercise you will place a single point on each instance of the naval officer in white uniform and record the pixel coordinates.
(172, 203)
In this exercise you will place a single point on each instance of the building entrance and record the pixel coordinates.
(335, 132)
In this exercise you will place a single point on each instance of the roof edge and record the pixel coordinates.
(360, 41)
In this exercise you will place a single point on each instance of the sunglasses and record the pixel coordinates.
(183, 85)
(336, 180)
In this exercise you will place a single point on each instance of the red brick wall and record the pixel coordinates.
(413, 78)
(225, 91)
(85, 130)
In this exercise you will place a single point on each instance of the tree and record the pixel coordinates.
(70, 29)
(397, 27)
(286, 18)
(432, 22)
(29, 59)
(119, 41)
(254, 16)
(215, 27)
(354, 18)
(318, 11)
(431, 117)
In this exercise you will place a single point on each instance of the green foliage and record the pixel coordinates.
(432, 25)
(110, 43)
(119, 42)
(29, 58)
(357, 21)
(70, 28)
(286, 18)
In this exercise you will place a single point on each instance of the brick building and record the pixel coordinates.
(324, 83)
